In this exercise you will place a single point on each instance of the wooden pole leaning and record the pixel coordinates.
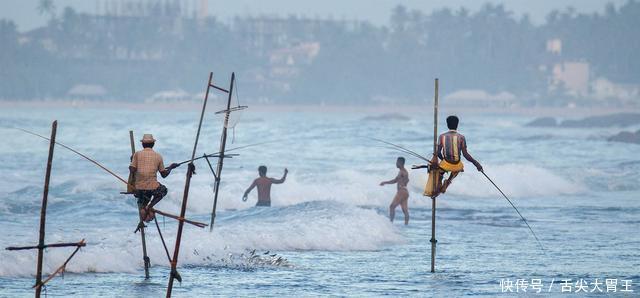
(185, 196)
(223, 144)
(43, 209)
(43, 219)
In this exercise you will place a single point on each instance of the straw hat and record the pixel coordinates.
(148, 138)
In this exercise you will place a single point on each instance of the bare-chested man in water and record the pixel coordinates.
(402, 196)
(264, 186)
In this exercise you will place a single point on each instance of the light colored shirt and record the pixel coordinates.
(147, 163)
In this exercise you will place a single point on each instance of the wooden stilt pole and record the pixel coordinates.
(132, 177)
(130, 189)
(43, 209)
(435, 170)
(223, 144)
(176, 252)
(43, 215)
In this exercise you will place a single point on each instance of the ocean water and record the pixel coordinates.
(328, 232)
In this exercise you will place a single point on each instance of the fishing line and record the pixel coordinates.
(400, 150)
(514, 207)
(232, 149)
(76, 152)
(400, 147)
(116, 175)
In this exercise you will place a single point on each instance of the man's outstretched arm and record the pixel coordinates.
(471, 159)
(281, 180)
(246, 192)
(164, 173)
(392, 181)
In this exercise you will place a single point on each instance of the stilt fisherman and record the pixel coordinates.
(450, 146)
(145, 164)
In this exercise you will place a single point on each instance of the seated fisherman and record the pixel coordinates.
(450, 145)
(145, 164)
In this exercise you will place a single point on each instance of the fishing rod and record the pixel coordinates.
(400, 148)
(120, 178)
(217, 154)
(77, 152)
(514, 207)
(403, 151)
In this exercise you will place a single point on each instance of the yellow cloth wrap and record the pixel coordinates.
(451, 167)
(429, 188)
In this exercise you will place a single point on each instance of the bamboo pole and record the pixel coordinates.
(64, 265)
(174, 261)
(435, 173)
(131, 189)
(223, 144)
(131, 181)
(43, 214)
(169, 215)
(43, 209)
(67, 244)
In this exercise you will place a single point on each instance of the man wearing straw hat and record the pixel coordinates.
(145, 164)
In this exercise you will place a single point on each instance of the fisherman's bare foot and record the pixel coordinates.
(147, 215)
(150, 215)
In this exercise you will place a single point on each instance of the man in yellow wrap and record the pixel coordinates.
(450, 145)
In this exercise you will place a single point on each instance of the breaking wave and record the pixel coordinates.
(318, 225)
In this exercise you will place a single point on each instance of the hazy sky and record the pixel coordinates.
(24, 12)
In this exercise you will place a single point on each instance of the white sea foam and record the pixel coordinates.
(516, 180)
(308, 226)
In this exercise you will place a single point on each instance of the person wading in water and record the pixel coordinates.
(402, 195)
(264, 186)
(145, 164)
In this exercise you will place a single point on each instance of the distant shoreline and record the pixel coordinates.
(375, 109)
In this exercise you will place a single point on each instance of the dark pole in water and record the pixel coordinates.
(131, 180)
(435, 170)
(43, 215)
(130, 188)
(185, 196)
(43, 209)
(223, 144)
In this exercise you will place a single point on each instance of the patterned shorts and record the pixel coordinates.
(144, 196)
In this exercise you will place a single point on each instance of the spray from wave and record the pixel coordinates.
(515, 179)
(318, 225)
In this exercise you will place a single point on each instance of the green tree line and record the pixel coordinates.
(154, 47)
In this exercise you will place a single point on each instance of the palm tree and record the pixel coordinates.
(47, 7)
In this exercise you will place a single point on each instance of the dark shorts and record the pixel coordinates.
(145, 196)
(263, 204)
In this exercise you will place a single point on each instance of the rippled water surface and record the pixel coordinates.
(328, 231)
